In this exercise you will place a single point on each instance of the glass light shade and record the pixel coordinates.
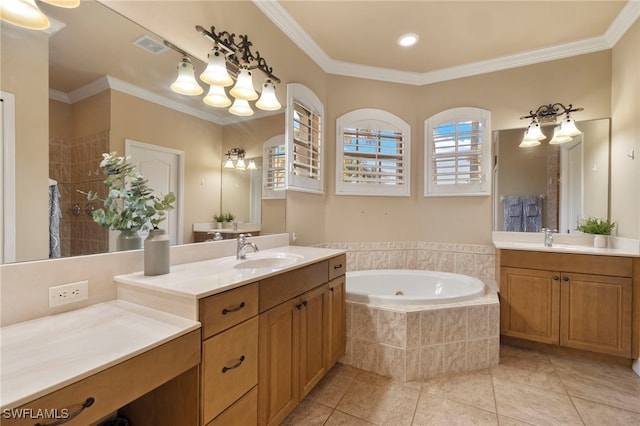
(244, 87)
(216, 72)
(534, 132)
(186, 83)
(558, 137)
(69, 4)
(240, 165)
(252, 165)
(268, 100)
(228, 164)
(217, 97)
(568, 127)
(526, 143)
(23, 13)
(241, 107)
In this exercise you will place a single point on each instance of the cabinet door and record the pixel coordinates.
(596, 313)
(529, 304)
(337, 319)
(279, 331)
(314, 337)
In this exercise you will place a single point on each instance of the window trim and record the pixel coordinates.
(272, 194)
(359, 118)
(299, 93)
(457, 115)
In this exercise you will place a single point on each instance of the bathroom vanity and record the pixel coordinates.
(269, 333)
(222, 341)
(570, 298)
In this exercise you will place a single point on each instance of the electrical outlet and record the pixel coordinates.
(68, 293)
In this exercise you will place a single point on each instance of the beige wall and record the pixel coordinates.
(507, 94)
(595, 172)
(201, 141)
(625, 134)
(27, 77)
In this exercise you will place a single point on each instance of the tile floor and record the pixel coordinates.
(527, 387)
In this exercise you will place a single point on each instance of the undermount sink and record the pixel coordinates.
(267, 260)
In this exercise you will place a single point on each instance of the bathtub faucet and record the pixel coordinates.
(242, 246)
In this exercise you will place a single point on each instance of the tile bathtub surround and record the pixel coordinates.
(527, 387)
(421, 342)
(468, 259)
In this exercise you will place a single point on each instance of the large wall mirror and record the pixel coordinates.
(551, 186)
(105, 83)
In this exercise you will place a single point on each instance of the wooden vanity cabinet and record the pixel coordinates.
(229, 369)
(297, 329)
(576, 301)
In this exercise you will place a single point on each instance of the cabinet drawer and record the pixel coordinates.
(337, 266)
(243, 412)
(224, 310)
(229, 367)
(280, 288)
(118, 385)
(616, 266)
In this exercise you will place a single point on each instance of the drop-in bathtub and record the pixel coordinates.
(415, 325)
(411, 287)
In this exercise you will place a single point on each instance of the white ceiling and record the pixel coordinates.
(353, 38)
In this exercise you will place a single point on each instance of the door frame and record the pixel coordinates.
(179, 207)
(8, 173)
(565, 220)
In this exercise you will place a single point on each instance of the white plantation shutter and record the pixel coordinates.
(273, 168)
(373, 154)
(305, 140)
(458, 153)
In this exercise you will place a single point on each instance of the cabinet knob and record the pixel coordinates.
(556, 278)
(565, 278)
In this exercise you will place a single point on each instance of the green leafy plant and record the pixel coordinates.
(130, 203)
(229, 217)
(219, 218)
(593, 225)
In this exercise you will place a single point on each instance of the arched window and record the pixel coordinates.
(458, 153)
(372, 154)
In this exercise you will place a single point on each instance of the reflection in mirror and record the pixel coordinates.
(241, 192)
(91, 91)
(551, 186)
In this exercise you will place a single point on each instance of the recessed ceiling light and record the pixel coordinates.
(408, 39)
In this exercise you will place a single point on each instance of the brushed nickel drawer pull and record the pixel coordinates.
(88, 403)
(226, 311)
(236, 365)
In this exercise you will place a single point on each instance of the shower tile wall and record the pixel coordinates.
(417, 343)
(75, 165)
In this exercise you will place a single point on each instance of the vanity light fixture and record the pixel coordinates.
(26, 14)
(548, 114)
(231, 63)
(237, 155)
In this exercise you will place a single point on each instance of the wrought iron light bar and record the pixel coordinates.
(239, 51)
(546, 113)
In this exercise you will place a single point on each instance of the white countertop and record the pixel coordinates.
(201, 279)
(565, 243)
(48, 353)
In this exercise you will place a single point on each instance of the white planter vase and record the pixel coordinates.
(157, 249)
(600, 241)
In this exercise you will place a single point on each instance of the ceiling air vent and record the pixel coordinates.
(150, 45)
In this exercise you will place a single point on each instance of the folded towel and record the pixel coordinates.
(512, 213)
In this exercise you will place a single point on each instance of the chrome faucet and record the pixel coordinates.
(242, 246)
(548, 237)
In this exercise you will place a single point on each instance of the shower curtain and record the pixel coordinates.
(54, 221)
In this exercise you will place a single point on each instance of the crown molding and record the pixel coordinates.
(294, 31)
(108, 82)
